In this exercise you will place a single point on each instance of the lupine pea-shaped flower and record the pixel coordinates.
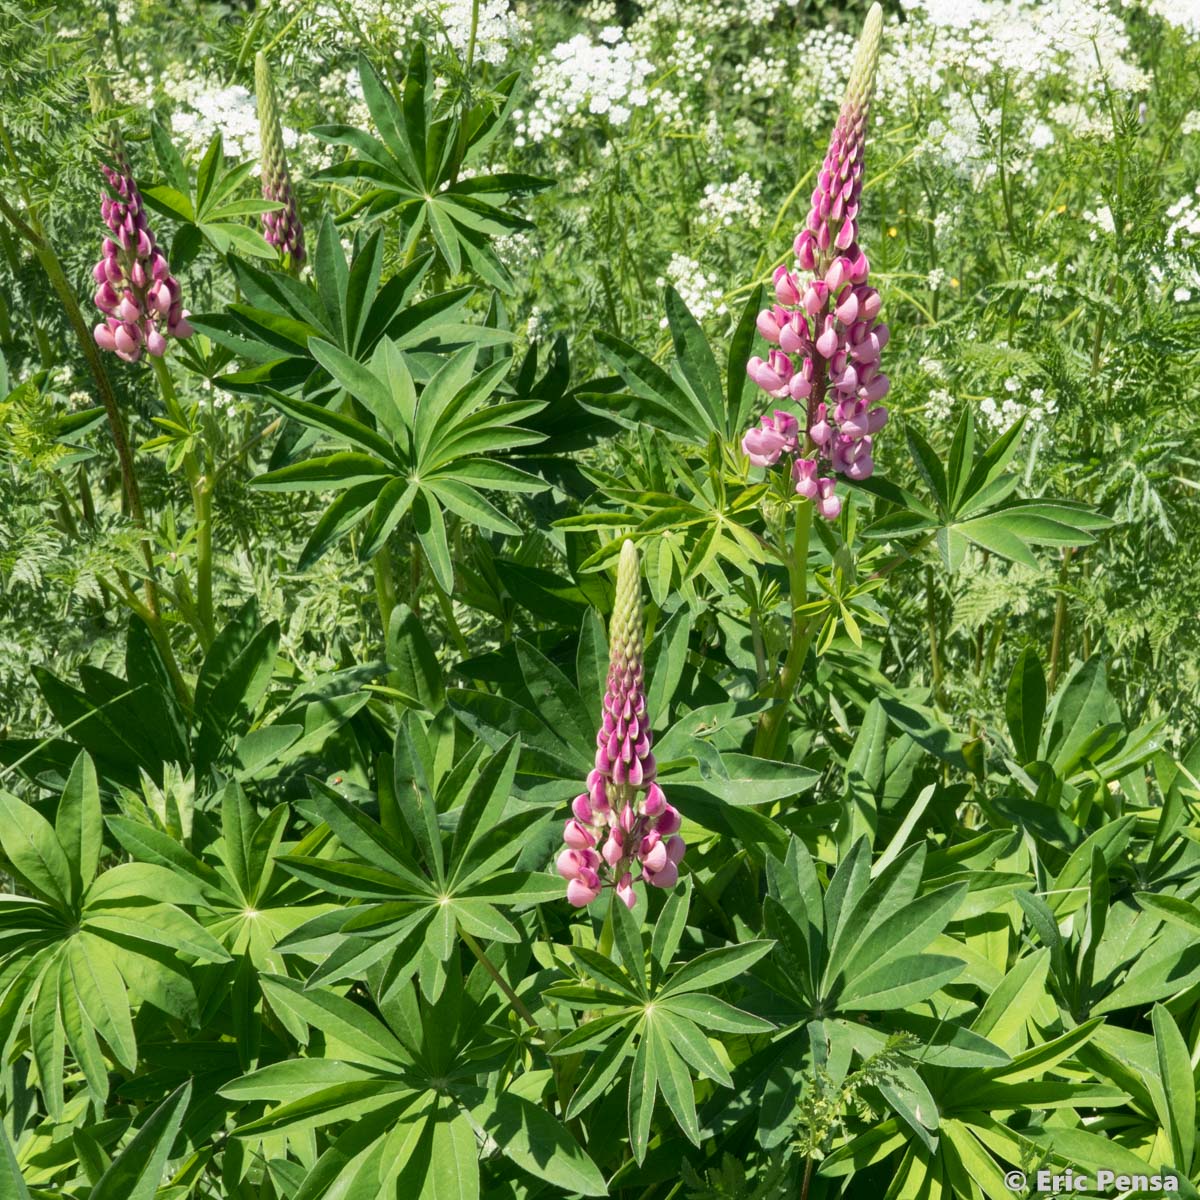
(136, 291)
(623, 821)
(824, 320)
(281, 227)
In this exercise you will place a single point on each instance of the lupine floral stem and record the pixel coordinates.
(796, 559)
(201, 489)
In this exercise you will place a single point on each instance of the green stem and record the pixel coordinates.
(201, 489)
(801, 633)
(935, 661)
(1060, 619)
(384, 569)
(517, 1003)
(447, 608)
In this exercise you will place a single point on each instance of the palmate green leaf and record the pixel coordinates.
(1025, 705)
(30, 845)
(972, 505)
(411, 171)
(423, 457)
(538, 1143)
(339, 1018)
(674, 1079)
(78, 825)
(1175, 1098)
(12, 1181)
(102, 995)
(714, 966)
(137, 1172)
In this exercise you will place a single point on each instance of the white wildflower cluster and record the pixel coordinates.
(497, 30)
(1175, 271)
(761, 75)
(737, 202)
(204, 107)
(958, 140)
(1044, 282)
(689, 60)
(1182, 14)
(712, 138)
(1184, 215)
(702, 293)
(708, 16)
(537, 327)
(402, 22)
(1083, 42)
(939, 407)
(516, 251)
(826, 55)
(581, 78)
(1037, 409)
(1101, 221)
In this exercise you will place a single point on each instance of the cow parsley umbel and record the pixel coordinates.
(825, 326)
(623, 820)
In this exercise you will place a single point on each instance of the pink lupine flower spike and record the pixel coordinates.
(136, 291)
(622, 823)
(825, 326)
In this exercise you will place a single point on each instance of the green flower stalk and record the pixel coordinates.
(281, 227)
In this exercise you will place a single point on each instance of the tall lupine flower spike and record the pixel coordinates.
(825, 324)
(135, 289)
(623, 822)
(282, 227)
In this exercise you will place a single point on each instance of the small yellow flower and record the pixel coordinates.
(1062, 208)
(953, 281)
(892, 231)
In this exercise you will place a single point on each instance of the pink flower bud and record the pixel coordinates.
(654, 859)
(614, 848)
(876, 389)
(821, 431)
(768, 323)
(568, 864)
(575, 835)
(129, 309)
(654, 802)
(625, 891)
(793, 335)
(156, 344)
(668, 877)
(804, 473)
(579, 894)
(676, 848)
(787, 290)
(668, 822)
(806, 254)
(128, 338)
(104, 337)
(827, 343)
(815, 296)
(583, 810)
(847, 307)
(828, 504)
(800, 387)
